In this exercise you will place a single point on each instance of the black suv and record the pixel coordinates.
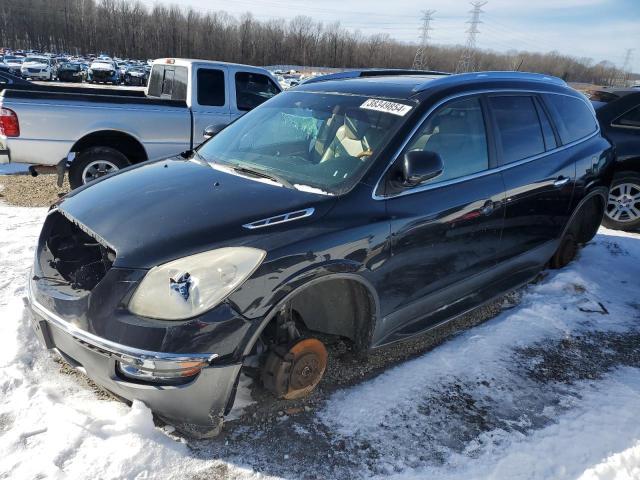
(618, 111)
(371, 206)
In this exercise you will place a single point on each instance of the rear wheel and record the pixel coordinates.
(565, 253)
(623, 205)
(93, 163)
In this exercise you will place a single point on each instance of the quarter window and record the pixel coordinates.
(457, 133)
(629, 119)
(573, 118)
(211, 87)
(519, 129)
(253, 89)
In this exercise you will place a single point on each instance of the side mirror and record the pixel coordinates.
(212, 131)
(418, 166)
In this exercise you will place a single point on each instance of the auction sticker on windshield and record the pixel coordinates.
(385, 106)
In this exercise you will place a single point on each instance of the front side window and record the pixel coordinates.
(309, 140)
(253, 89)
(573, 118)
(457, 133)
(519, 129)
(629, 119)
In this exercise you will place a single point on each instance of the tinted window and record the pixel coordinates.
(573, 118)
(547, 131)
(456, 132)
(168, 82)
(211, 87)
(252, 89)
(519, 128)
(631, 118)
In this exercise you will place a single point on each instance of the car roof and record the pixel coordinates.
(417, 86)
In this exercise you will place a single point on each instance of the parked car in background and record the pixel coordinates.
(71, 72)
(14, 63)
(136, 75)
(186, 101)
(366, 209)
(618, 111)
(8, 80)
(37, 68)
(103, 70)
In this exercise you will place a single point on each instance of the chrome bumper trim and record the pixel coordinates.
(107, 348)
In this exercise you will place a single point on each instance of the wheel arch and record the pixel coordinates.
(121, 141)
(367, 302)
(586, 231)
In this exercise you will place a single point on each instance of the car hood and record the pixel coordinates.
(162, 210)
(101, 66)
(35, 65)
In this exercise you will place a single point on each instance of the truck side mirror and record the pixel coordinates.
(212, 131)
(418, 166)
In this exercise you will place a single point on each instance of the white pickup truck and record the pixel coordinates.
(92, 134)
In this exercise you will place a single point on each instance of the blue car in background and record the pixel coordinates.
(103, 70)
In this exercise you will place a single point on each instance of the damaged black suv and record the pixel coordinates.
(371, 206)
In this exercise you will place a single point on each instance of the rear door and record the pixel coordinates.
(539, 177)
(210, 101)
(446, 232)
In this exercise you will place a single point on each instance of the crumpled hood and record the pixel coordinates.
(166, 209)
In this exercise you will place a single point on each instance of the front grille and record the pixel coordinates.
(74, 254)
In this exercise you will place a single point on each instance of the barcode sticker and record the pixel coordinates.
(385, 106)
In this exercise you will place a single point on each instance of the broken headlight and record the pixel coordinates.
(192, 285)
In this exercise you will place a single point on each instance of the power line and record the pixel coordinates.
(467, 60)
(623, 75)
(420, 61)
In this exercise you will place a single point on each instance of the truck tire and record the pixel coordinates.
(94, 163)
(623, 206)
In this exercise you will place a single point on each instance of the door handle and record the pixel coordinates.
(487, 208)
(561, 181)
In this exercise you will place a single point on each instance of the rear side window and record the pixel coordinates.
(456, 132)
(519, 129)
(211, 87)
(573, 118)
(253, 89)
(169, 82)
(629, 119)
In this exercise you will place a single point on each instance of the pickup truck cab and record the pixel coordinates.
(101, 131)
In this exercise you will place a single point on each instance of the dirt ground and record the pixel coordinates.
(28, 191)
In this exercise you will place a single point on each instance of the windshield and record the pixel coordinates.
(71, 66)
(36, 60)
(312, 141)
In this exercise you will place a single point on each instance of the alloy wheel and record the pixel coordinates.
(624, 203)
(97, 169)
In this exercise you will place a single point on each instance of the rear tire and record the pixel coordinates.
(565, 253)
(93, 163)
(623, 205)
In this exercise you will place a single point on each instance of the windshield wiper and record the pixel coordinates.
(263, 174)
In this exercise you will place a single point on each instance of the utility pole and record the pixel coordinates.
(420, 61)
(623, 75)
(467, 60)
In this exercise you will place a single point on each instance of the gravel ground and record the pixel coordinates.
(28, 191)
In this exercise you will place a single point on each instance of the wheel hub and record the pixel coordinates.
(624, 203)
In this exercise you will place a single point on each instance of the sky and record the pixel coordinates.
(598, 29)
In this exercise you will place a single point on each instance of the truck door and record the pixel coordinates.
(210, 104)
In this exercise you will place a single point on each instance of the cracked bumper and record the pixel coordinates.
(200, 401)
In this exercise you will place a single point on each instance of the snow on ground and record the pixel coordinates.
(549, 389)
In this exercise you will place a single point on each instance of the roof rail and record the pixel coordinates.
(372, 72)
(498, 75)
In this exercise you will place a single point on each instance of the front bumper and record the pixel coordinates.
(40, 75)
(202, 401)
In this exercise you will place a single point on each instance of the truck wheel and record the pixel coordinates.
(623, 206)
(95, 162)
(294, 373)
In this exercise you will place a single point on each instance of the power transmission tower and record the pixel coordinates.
(467, 60)
(623, 75)
(420, 60)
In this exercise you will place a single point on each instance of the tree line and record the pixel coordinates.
(129, 29)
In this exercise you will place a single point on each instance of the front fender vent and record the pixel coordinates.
(284, 218)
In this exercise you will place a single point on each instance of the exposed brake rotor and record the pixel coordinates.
(294, 373)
